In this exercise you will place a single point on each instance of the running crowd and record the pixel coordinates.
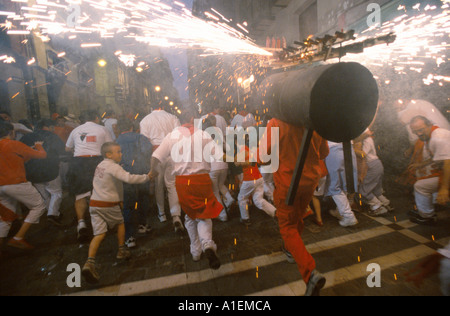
(114, 166)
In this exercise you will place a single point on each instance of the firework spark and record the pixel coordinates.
(147, 21)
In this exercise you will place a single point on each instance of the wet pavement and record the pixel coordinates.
(252, 261)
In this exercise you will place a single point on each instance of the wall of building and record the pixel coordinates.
(318, 17)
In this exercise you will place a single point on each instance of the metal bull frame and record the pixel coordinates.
(338, 101)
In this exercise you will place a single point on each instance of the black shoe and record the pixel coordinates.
(246, 222)
(83, 235)
(413, 213)
(315, 284)
(179, 228)
(214, 262)
(55, 220)
(422, 220)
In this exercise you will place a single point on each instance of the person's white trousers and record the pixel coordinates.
(254, 189)
(218, 178)
(26, 194)
(52, 194)
(425, 194)
(200, 235)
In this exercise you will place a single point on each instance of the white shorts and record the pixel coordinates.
(104, 218)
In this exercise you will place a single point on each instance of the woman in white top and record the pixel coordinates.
(371, 186)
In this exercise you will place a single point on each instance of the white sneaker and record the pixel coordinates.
(162, 218)
(131, 242)
(144, 229)
(378, 212)
(348, 221)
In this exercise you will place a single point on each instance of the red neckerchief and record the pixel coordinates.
(418, 154)
(243, 113)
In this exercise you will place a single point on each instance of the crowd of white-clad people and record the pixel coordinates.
(119, 171)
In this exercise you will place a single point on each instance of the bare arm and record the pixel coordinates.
(443, 192)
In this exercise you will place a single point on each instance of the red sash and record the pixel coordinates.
(6, 214)
(196, 196)
(95, 203)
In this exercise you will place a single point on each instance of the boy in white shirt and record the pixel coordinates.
(106, 205)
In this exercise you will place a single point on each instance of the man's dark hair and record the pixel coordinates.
(89, 116)
(45, 123)
(6, 112)
(423, 118)
(124, 125)
(5, 128)
(187, 114)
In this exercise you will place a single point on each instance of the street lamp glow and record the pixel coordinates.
(102, 63)
(157, 88)
(239, 80)
(139, 69)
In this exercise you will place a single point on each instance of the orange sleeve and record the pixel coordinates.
(324, 150)
(28, 153)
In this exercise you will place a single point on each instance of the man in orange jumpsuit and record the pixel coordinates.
(290, 218)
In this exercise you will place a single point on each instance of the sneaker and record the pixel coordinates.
(315, 284)
(20, 244)
(162, 218)
(196, 258)
(131, 242)
(123, 253)
(179, 228)
(422, 220)
(246, 222)
(378, 212)
(83, 236)
(55, 220)
(144, 229)
(335, 213)
(214, 262)
(90, 273)
(348, 221)
(289, 256)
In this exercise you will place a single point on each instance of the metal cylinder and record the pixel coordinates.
(338, 101)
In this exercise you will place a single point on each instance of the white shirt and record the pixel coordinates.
(437, 148)
(87, 139)
(243, 121)
(109, 123)
(20, 127)
(158, 125)
(191, 154)
(221, 123)
(108, 181)
(426, 109)
(368, 146)
(439, 144)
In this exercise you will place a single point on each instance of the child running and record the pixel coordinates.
(106, 205)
